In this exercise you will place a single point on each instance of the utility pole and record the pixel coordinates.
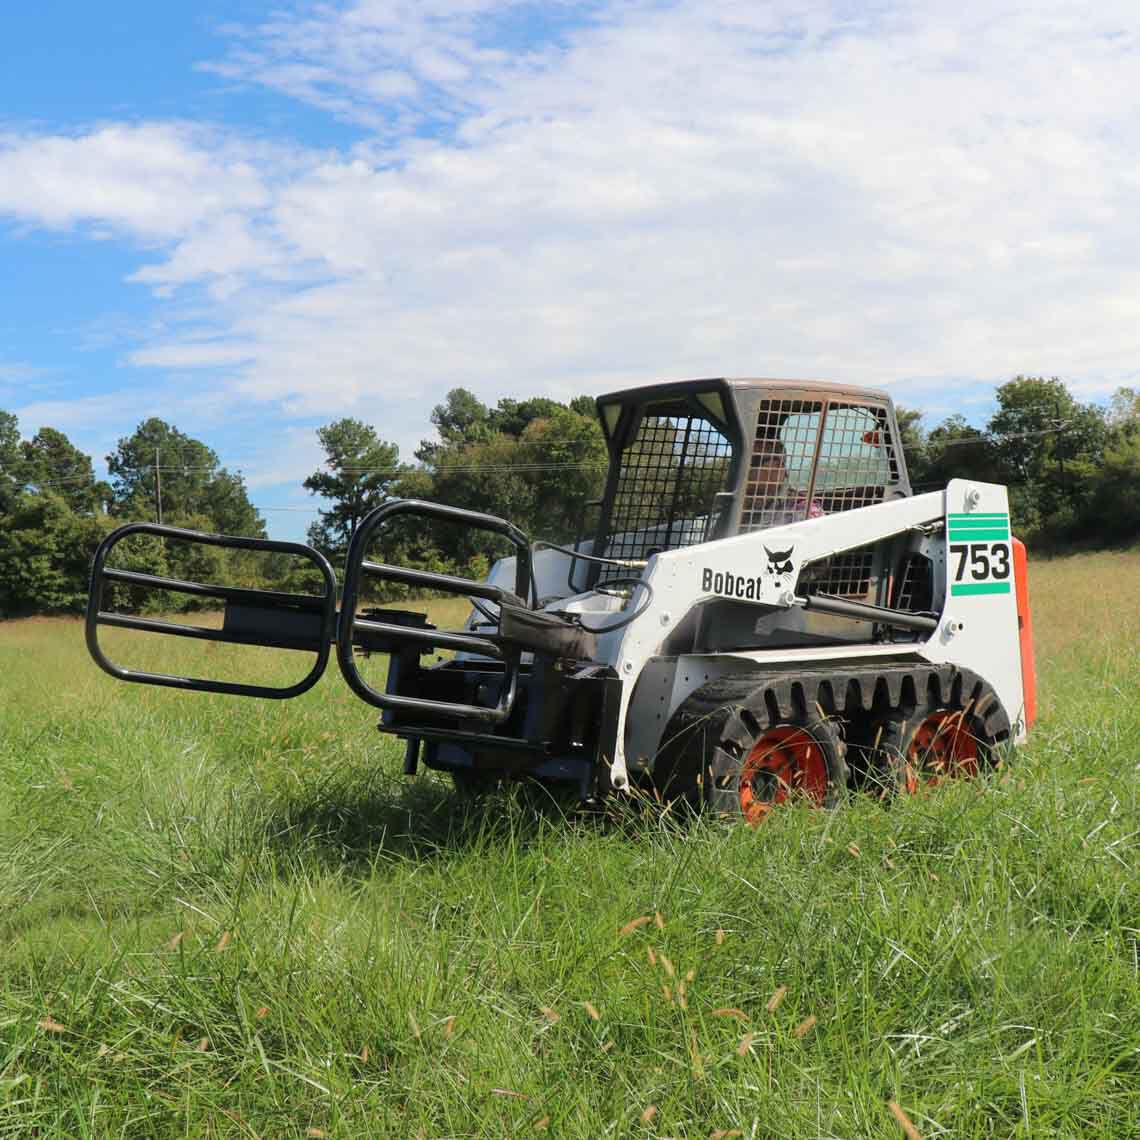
(158, 486)
(1057, 445)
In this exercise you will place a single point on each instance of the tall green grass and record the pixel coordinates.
(233, 918)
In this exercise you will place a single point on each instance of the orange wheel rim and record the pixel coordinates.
(784, 762)
(942, 747)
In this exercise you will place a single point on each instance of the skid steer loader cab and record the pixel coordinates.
(756, 549)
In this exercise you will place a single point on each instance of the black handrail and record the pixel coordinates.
(356, 566)
(318, 607)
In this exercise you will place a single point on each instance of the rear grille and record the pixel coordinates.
(846, 575)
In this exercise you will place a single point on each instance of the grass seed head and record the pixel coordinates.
(592, 1010)
(745, 1046)
(648, 1113)
(50, 1025)
(635, 924)
(730, 1011)
(718, 938)
(904, 1121)
(659, 920)
(551, 1014)
(449, 1027)
(776, 998)
(224, 941)
(805, 1026)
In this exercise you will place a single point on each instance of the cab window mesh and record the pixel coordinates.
(780, 470)
(857, 461)
(668, 477)
(856, 458)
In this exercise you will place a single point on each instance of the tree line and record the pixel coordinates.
(1073, 470)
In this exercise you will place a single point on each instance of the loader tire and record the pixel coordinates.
(941, 738)
(728, 750)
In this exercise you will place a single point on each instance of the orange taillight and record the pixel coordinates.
(1025, 630)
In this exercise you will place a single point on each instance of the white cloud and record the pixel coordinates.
(935, 190)
(154, 181)
(393, 65)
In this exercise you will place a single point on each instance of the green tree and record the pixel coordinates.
(360, 469)
(11, 464)
(1049, 448)
(512, 417)
(189, 479)
(1114, 511)
(52, 462)
(1123, 411)
(462, 418)
(952, 450)
(45, 555)
(912, 440)
(540, 479)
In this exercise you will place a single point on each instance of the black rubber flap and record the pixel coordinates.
(541, 632)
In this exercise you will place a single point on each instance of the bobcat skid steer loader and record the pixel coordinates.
(764, 611)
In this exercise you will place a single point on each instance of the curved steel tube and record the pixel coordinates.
(324, 605)
(355, 566)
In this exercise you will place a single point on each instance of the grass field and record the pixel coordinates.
(233, 918)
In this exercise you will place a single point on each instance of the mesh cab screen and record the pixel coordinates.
(850, 448)
(779, 473)
(856, 461)
(668, 477)
(856, 458)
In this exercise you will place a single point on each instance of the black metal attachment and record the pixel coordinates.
(355, 629)
(305, 622)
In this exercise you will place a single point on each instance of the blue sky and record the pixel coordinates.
(251, 219)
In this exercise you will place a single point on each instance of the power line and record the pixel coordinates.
(983, 437)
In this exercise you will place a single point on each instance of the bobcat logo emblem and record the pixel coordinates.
(779, 561)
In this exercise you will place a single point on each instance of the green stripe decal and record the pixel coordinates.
(978, 535)
(968, 588)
